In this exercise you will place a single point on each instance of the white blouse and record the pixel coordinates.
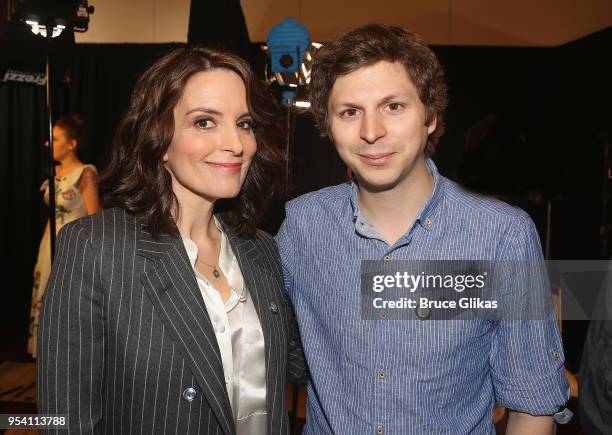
(240, 339)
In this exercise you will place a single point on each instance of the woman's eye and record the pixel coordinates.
(204, 123)
(246, 124)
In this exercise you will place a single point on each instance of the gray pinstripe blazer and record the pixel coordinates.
(125, 334)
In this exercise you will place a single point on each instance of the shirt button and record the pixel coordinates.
(220, 329)
(422, 313)
(228, 379)
(189, 394)
(428, 222)
(557, 354)
(381, 375)
(387, 258)
(380, 430)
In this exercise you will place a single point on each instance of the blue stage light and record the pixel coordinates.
(287, 44)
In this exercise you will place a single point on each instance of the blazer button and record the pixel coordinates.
(273, 307)
(189, 394)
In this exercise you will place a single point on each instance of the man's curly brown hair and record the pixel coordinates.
(371, 44)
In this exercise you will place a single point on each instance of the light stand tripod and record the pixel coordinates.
(49, 20)
(51, 169)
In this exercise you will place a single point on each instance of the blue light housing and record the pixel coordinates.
(287, 44)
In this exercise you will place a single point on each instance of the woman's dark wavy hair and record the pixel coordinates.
(367, 45)
(136, 178)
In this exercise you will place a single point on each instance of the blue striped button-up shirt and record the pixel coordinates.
(412, 377)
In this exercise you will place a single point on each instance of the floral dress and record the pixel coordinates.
(69, 206)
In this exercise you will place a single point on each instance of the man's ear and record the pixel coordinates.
(432, 125)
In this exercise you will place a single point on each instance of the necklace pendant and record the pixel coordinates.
(216, 273)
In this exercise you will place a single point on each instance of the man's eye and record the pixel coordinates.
(204, 123)
(394, 107)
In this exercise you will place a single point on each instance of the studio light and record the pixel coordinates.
(287, 43)
(56, 15)
(290, 54)
(37, 29)
(290, 57)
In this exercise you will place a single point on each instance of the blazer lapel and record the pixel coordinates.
(254, 273)
(257, 279)
(171, 285)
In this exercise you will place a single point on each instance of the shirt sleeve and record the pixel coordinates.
(284, 240)
(297, 371)
(527, 361)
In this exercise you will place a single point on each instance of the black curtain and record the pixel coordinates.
(22, 131)
(98, 82)
(220, 24)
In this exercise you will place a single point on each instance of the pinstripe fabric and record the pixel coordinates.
(124, 332)
(412, 377)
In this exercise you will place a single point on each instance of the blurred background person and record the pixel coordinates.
(596, 367)
(76, 195)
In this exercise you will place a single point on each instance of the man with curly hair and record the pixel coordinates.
(379, 93)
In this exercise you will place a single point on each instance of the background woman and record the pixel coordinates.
(76, 195)
(166, 312)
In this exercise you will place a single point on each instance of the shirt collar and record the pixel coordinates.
(424, 217)
(227, 260)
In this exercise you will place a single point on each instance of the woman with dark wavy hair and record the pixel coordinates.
(165, 313)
